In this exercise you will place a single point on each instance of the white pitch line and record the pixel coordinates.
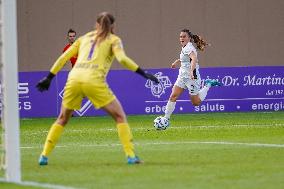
(170, 143)
(220, 143)
(171, 127)
(38, 184)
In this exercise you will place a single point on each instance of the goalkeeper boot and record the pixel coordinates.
(212, 83)
(43, 160)
(134, 160)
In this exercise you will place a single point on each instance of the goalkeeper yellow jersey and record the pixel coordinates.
(94, 60)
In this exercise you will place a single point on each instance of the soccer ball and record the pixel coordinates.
(161, 123)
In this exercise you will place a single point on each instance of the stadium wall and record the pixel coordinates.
(242, 32)
(245, 89)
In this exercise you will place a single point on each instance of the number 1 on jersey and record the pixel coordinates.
(92, 51)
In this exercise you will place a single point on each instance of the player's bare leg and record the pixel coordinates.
(197, 99)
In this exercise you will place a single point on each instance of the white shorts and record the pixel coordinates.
(192, 85)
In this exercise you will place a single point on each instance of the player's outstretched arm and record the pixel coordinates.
(147, 75)
(43, 84)
(129, 63)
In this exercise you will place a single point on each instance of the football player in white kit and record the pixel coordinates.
(189, 77)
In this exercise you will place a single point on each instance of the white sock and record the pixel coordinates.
(169, 109)
(203, 92)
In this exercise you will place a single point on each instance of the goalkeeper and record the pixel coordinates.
(96, 51)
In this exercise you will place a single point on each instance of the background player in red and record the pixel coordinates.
(71, 37)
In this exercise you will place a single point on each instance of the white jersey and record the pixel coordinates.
(185, 61)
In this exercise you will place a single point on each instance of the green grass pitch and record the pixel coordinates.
(199, 151)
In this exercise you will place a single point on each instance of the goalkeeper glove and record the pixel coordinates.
(43, 85)
(147, 75)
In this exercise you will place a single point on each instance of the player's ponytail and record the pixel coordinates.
(106, 21)
(198, 40)
(200, 43)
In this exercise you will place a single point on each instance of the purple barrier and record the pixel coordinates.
(245, 89)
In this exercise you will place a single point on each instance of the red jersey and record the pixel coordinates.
(73, 59)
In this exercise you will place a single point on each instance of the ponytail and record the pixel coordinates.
(200, 43)
(106, 21)
(198, 40)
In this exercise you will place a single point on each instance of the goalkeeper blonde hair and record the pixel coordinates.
(106, 22)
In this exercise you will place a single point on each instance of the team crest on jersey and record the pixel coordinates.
(87, 104)
(158, 90)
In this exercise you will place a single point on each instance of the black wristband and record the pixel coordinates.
(141, 72)
(50, 76)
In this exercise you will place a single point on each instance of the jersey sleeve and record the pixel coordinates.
(123, 59)
(189, 49)
(65, 57)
